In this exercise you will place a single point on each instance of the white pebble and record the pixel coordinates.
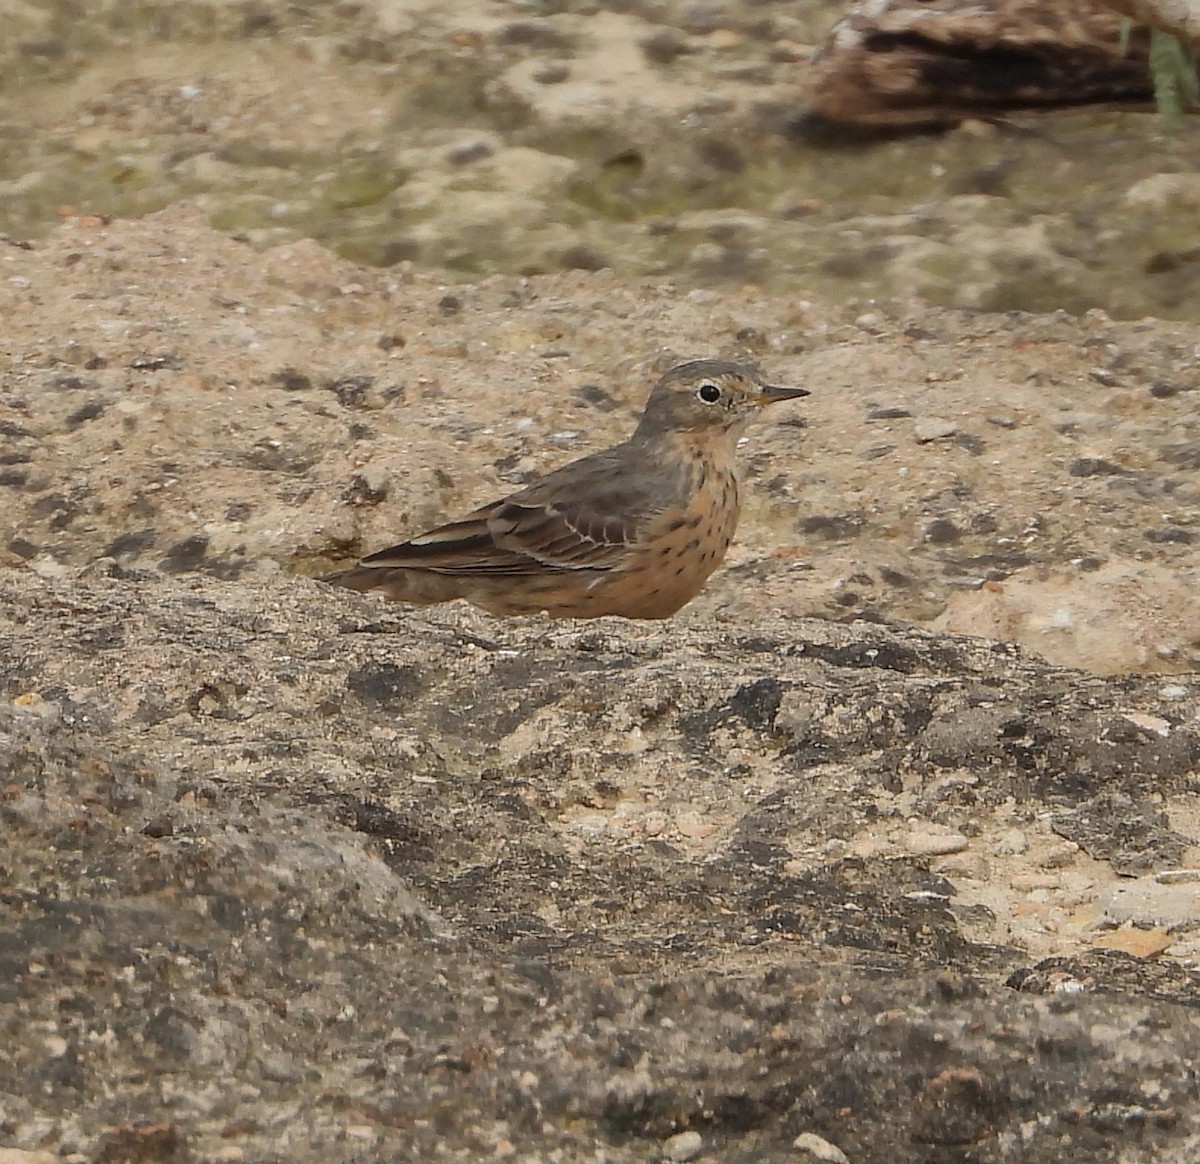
(683, 1146)
(935, 844)
(820, 1149)
(933, 428)
(1012, 842)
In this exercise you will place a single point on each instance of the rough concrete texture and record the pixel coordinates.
(289, 874)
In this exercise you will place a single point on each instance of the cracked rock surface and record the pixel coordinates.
(291, 872)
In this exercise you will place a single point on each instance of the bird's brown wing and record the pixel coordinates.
(584, 516)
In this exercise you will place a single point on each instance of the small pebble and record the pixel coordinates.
(967, 865)
(664, 46)
(1011, 843)
(1149, 723)
(692, 824)
(654, 824)
(683, 1146)
(942, 532)
(933, 428)
(819, 1148)
(369, 485)
(552, 75)
(802, 208)
(923, 844)
(1057, 856)
(592, 824)
(468, 152)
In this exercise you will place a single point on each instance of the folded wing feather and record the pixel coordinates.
(536, 528)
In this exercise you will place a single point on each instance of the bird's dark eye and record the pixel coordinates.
(709, 392)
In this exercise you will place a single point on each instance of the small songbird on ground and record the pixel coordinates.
(634, 531)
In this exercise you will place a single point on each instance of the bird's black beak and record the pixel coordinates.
(771, 394)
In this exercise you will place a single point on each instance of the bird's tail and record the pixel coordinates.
(398, 583)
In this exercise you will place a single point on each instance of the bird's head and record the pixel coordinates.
(708, 396)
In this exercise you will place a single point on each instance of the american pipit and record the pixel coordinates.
(635, 530)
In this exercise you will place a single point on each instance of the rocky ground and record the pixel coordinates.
(288, 872)
(178, 401)
(805, 871)
(655, 137)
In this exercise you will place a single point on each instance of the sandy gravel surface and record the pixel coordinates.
(173, 396)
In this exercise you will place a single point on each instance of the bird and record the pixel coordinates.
(634, 531)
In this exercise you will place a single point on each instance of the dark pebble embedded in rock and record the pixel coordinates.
(187, 554)
(290, 380)
(942, 532)
(158, 827)
(664, 46)
(74, 383)
(1185, 455)
(1097, 467)
(130, 544)
(92, 410)
(352, 391)
(958, 1106)
(539, 34)
(468, 152)
(834, 526)
(1169, 535)
(553, 74)
(581, 258)
(597, 397)
(166, 362)
(368, 486)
